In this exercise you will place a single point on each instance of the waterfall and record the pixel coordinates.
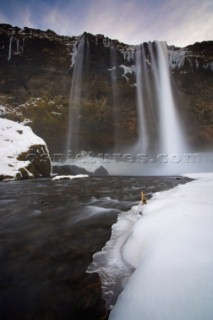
(158, 124)
(74, 116)
(10, 49)
(159, 130)
(115, 104)
(142, 124)
(171, 137)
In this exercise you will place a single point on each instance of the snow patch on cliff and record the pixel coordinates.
(128, 53)
(3, 110)
(127, 70)
(176, 58)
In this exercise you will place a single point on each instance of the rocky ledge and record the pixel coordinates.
(22, 153)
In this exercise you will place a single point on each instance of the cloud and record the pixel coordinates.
(179, 22)
(3, 18)
(18, 16)
(24, 17)
(186, 22)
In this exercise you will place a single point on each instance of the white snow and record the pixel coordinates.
(3, 110)
(74, 53)
(70, 177)
(56, 113)
(127, 70)
(128, 53)
(176, 58)
(15, 139)
(170, 247)
(25, 121)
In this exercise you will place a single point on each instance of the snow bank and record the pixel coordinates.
(14, 140)
(170, 247)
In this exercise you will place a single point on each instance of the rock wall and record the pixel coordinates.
(37, 69)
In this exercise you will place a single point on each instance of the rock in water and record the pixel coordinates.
(22, 153)
(70, 170)
(101, 171)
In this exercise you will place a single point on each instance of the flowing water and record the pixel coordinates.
(75, 94)
(114, 85)
(142, 123)
(171, 133)
(159, 127)
(49, 231)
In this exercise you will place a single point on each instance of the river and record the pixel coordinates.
(49, 231)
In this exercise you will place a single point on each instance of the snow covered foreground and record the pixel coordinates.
(170, 248)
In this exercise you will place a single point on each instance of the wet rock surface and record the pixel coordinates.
(73, 170)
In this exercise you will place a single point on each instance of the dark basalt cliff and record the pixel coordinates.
(36, 72)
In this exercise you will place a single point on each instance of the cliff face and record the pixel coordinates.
(193, 77)
(38, 69)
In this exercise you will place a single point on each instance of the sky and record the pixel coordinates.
(178, 22)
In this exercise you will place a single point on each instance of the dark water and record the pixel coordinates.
(49, 231)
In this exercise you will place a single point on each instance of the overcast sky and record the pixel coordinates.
(179, 22)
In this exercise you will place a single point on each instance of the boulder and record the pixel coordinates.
(75, 170)
(101, 171)
(70, 170)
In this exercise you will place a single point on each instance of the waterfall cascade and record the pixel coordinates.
(74, 117)
(115, 102)
(158, 125)
(171, 138)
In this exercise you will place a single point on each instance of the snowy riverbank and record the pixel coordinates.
(170, 247)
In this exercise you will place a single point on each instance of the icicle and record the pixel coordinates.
(23, 43)
(10, 49)
(17, 46)
(106, 42)
(74, 53)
